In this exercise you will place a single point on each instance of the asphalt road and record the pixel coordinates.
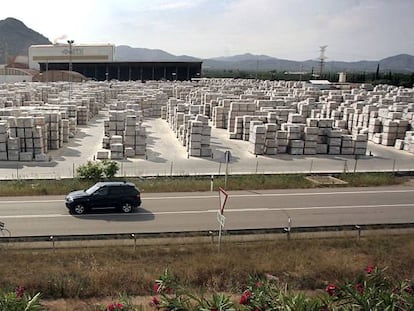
(171, 212)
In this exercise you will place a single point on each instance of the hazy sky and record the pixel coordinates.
(289, 29)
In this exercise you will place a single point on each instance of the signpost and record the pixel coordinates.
(223, 195)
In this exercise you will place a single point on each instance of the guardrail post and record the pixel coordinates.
(357, 227)
(288, 229)
(135, 241)
(51, 238)
(212, 236)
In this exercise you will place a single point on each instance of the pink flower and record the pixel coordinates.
(154, 302)
(369, 269)
(258, 284)
(114, 306)
(157, 287)
(20, 292)
(331, 289)
(409, 289)
(360, 288)
(245, 298)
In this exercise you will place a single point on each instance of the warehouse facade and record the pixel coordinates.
(127, 71)
(97, 62)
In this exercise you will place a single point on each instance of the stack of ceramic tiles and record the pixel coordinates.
(198, 137)
(257, 138)
(4, 128)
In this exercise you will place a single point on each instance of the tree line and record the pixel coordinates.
(378, 77)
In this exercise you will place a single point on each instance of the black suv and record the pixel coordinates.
(104, 195)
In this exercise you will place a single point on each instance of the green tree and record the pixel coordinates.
(98, 170)
(377, 72)
(91, 170)
(110, 168)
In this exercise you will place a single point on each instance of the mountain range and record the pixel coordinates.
(249, 62)
(15, 38)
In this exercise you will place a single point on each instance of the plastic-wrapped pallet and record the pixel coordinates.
(13, 148)
(140, 141)
(295, 146)
(3, 139)
(334, 141)
(117, 149)
(271, 142)
(409, 141)
(238, 129)
(38, 141)
(102, 155)
(257, 137)
(389, 134)
(347, 145)
(205, 136)
(82, 115)
(53, 120)
(360, 143)
(282, 141)
(194, 137)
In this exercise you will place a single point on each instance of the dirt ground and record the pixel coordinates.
(93, 303)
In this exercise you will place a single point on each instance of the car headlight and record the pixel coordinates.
(69, 199)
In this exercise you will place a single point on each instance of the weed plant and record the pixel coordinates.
(303, 264)
(191, 183)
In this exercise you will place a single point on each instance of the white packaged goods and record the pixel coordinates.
(43, 118)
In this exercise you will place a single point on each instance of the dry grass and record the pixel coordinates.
(102, 272)
(200, 183)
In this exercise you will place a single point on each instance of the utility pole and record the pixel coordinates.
(322, 58)
(70, 42)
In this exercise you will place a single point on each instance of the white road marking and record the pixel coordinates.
(32, 201)
(238, 210)
(192, 197)
(279, 194)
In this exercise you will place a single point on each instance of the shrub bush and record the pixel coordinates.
(96, 170)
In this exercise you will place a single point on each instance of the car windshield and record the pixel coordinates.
(92, 189)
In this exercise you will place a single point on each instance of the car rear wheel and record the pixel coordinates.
(126, 207)
(78, 209)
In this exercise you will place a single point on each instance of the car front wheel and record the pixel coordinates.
(126, 207)
(79, 209)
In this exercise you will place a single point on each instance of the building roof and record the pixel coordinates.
(322, 82)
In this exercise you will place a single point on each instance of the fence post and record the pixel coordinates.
(356, 163)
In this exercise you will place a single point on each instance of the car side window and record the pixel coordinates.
(115, 190)
(102, 191)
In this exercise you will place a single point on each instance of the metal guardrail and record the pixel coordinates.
(205, 233)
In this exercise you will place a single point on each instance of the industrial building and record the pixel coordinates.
(97, 62)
